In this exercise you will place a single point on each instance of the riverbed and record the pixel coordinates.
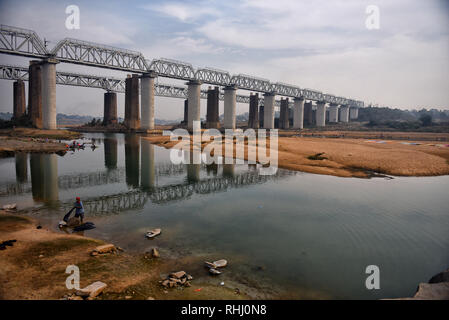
(290, 235)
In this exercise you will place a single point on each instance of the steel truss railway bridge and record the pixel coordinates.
(139, 113)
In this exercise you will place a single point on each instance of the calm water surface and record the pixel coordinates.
(308, 235)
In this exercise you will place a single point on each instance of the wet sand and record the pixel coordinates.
(361, 158)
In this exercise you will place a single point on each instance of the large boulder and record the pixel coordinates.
(94, 289)
(440, 277)
(433, 291)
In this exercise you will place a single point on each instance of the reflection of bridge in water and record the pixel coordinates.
(141, 175)
(136, 199)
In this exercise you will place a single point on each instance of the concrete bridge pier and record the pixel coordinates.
(308, 114)
(230, 96)
(344, 114)
(186, 112)
(18, 99)
(253, 119)
(132, 119)
(284, 115)
(333, 113)
(298, 113)
(321, 114)
(110, 108)
(212, 117)
(353, 113)
(35, 93)
(193, 97)
(147, 100)
(49, 94)
(268, 111)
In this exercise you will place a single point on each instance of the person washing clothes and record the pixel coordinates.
(79, 213)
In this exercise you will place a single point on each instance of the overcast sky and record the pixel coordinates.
(319, 44)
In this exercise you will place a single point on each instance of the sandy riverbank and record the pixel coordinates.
(346, 157)
(34, 267)
(34, 140)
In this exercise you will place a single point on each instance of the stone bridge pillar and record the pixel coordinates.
(18, 99)
(253, 119)
(268, 111)
(132, 119)
(353, 113)
(298, 113)
(321, 114)
(284, 115)
(110, 108)
(193, 97)
(344, 114)
(212, 116)
(35, 93)
(147, 99)
(186, 112)
(308, 114)
(333, 113)
(49, 94)
(230, 96)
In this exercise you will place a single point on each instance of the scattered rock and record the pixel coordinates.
(433, 291)
(82, 294)
(153, 233)
(95, 288)
(12, 206)
(213, 266)
(106, 248)
(41, 256)
(155, 253)
(217, 264)
(177, 279)
(214, 271)
(39, 227)
(165, 283)
(150, 298)
(440, 277)
(128, 297)
(178, 275)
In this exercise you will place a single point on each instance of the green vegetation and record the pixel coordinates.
(405, 120)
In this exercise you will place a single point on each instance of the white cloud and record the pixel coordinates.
(184, 12)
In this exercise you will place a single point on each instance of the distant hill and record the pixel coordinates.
(5, 116)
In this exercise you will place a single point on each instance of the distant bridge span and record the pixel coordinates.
(23, 42)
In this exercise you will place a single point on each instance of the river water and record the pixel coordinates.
(292, 235)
